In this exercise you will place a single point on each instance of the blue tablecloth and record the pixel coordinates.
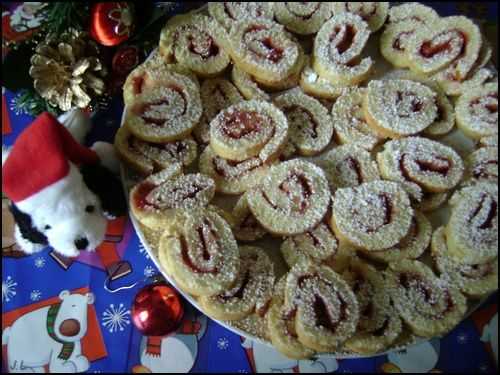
(112, 344)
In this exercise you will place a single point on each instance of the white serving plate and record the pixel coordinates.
(460, 143)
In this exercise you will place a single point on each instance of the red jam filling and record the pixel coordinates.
(239, 292)
(347, 40)
(492, 211)
(138, 84)
(352, 164)
(437, 164)
(380, 331)
(323, 318)
(416, 104)
(240, 124)
(296, 114)
(274, 52)
(141, 193)
(206, 49)
(208, 240)
(387, 212)
(147, 106)
(480, 171)
(301, 200)
(396, 44)
(428, 49)
(477, 271)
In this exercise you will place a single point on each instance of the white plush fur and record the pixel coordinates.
(62, 207)
(77, 123)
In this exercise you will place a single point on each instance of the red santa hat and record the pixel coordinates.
(40, 159)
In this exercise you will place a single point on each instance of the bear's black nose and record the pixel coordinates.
(81, 243)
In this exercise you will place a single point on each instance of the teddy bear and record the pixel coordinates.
(61, 192)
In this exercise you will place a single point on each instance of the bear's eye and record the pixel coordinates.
(90, 209)
(47, 227)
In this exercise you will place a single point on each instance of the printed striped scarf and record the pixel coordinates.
(68, 347)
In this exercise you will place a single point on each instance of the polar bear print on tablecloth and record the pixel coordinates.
(50, 336)
(265, 359)
(420, 358)
(175, 353)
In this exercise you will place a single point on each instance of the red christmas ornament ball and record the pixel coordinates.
(125, 59)
(111, 23)
(157, 310)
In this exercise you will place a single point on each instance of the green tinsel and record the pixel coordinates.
(28, 101)
(64, 15)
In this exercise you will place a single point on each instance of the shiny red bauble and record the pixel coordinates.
(111, 23)
(157, 310)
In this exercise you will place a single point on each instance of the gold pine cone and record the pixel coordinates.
(67, 71)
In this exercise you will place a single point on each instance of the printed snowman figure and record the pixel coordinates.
(175, 353)
(419, 358)
(490, 335)
(51, 336)
(266, 359)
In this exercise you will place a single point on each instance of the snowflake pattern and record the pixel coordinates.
(143, 251)
(8, 289)
(149, 271)
(115, 319)
(39, 262)
(35, 295)
(462, 338)
(223, 343)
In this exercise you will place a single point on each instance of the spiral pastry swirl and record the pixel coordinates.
(472, 231)
(412, 246)
(149, 74)
(246, 227)
(482, 166)
(251, 292)
(477, 111)
(281, 326)
(263, 49)
(218, 94)
(412, 12)
(372, 216)
(313, 84)
(200, 253)
(309, 124)
(192, 41)
(323, 305)
(421, 164)
(147, 157)
(318, 245)
(379, 325)
(394, 42)
(167, 112)
(291, 199)
(338, 47)
(348, 166)
(303, 18)
(474, 280)
(247, 85)
(249, 129)
(453, 38)
(228, 14)
(396, 108)
(232, 177)
(428, 305)
(158, 198)
(374, 13)
(349, 120)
